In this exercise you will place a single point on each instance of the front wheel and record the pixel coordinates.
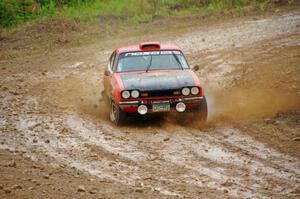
(202, 112)
(117, 116)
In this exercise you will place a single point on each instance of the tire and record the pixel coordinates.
(200, 114)
(116, 115)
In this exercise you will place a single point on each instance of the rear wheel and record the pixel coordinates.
(117, 116)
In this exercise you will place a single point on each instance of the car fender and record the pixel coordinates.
(117, 87)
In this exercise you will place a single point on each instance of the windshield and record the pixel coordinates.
(151, 60)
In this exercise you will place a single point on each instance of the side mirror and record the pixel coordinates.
(106, 73)
(196, 68)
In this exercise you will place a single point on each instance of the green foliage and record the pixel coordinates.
(48, 10)
(7, 13)
(88, 11)
(13, 12)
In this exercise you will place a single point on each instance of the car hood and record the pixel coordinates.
(150, 81)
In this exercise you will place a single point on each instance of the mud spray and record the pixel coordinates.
(249, 103)
(75, 92)
(84, 97)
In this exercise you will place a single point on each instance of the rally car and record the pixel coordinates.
(152, 78)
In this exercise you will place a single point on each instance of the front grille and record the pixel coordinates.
(161, 93)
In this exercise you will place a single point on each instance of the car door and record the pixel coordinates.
(107, 75)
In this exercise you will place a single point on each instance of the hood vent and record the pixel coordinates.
(150, 46)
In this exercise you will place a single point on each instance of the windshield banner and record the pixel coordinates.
(147, 53)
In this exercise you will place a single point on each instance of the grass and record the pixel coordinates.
(14, 12)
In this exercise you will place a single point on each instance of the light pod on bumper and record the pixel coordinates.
(142, 109)
(180, 107)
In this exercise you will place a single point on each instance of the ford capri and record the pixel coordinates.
(152, 78)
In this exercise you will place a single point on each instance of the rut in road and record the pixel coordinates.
(224, 159)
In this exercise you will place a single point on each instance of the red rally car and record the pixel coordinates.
(149, 78)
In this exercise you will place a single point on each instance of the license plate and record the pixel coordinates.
(161, 107)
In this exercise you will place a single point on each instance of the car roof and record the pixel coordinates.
(139, 47)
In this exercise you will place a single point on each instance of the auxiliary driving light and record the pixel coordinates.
(180, 107)
(142, 109)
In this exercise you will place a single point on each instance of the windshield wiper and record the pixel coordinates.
(178, 61)
(150, 63)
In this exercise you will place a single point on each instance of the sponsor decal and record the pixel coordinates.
(147, 53)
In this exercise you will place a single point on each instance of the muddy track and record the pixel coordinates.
(56, 117)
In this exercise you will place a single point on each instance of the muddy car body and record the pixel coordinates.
(149, 78)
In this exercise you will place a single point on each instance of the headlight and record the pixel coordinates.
(125, 94)
(135, 93)
(185, 91)
(195, 90)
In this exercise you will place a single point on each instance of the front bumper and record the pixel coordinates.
(132, 106)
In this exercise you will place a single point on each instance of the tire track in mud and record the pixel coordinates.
(175, 160)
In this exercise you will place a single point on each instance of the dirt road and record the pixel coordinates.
(56, 140)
